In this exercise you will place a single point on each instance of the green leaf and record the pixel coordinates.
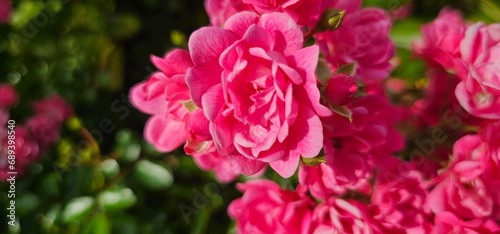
(342, 111)
(110, 168)
(152, 175)
(347, 69)
(26, 202)
(25, 12)
(490, 9)
(77, 208)
(99, 224)
(117, 199)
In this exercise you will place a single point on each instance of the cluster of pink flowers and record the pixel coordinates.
(36, 135)
(299, 86)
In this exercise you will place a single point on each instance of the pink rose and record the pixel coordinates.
(302, 12)
(324, 182)
(353, 147)
(490, 134)
(481, 44)
(442, 37)
(362, 39)
(479, 93)
(26, 151)
(220, 10)
(398, 199)
(44, 129)
(479, 69)
(342, 216)
(5, 11)
(210, 160)
(164, 96)
(468, 187)
(54, 107)
(257, 87)
(266, 208)
(9, 97)
(449, 223)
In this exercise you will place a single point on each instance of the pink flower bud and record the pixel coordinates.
(341, 89)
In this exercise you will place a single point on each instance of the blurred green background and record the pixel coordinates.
(91, 52)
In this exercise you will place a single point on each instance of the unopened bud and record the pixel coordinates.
(341, 89)
(331, 19)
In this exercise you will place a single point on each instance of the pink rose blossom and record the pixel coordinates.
(442, 37)
(353, 147)
(468, 187)
(362, 39)
(449, 223)
(257, 87)
(481, 44)
(342, 216)
(163, 96)
(26, 151)
(8, 97)
(266, 208)
(349, 6)
(5, 11)
(211, 160)
(479, 91)
(301, 11)
(398, 197)
(324, 182)
(54, 107)
(44, 129)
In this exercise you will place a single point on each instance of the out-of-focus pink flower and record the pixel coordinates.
(26, 151)
(363, 39)
(4, 117)
(448, 223)
(257, 86)
(439, 98)
(164, 96)
(211, 160)
(341, 89)
(490, 134)
(402, 12)
(303, 12)
(442, 38)
(342, 216)
(398, 199)
(349, 6)
(323, 182)
(353, 147)
(54, 107)
(220, 10)
(44, 129)
(468, 187)
(5, 11)
(266, 208)
(8, 96)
